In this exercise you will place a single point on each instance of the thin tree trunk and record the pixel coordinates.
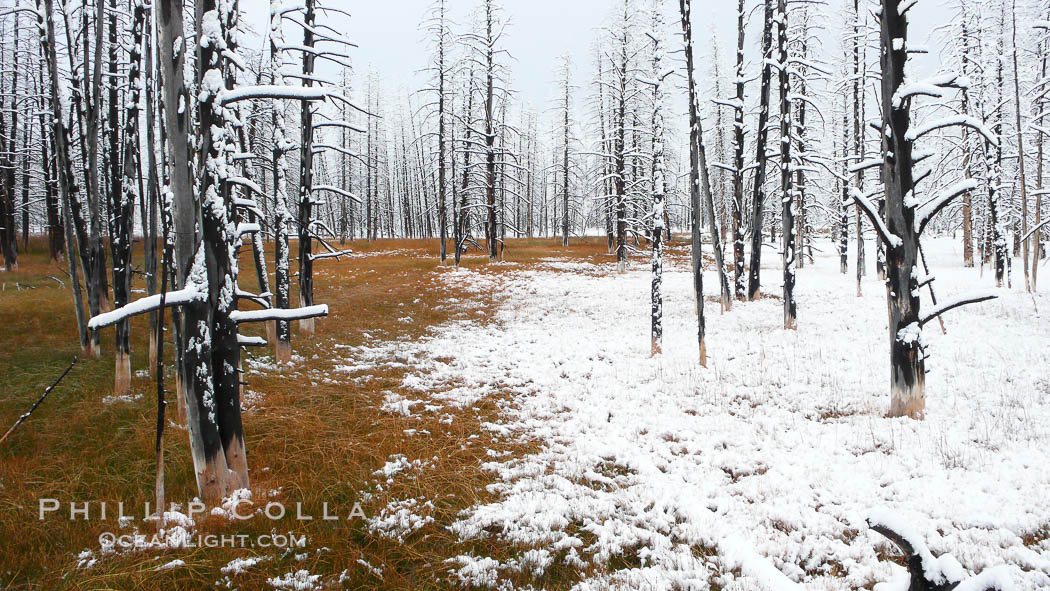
(1020, 152)
(758, 201)
(697, 169)
(738, 159)
(787, 196)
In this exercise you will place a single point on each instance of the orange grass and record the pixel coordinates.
(316, 435)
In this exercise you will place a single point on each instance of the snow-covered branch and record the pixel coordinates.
(925, 212)
(240, 316)
(970, 298)
(891, 240)
(178, 297)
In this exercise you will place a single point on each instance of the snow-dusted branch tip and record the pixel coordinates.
(240, 316)
(969, 298)
(926, 211)
(891, 240)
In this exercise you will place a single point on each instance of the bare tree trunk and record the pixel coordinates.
(844, 187)
(195, 340)
(758, 201)
(859, 75)
(442, 188)
(907, 372)
(124, 216)
(8, 231)
(306, 171)
(67, 182)
(149, 218)
(1037, 251)
(99, 287)
(787, 196)
(697, 171)
(565, 157)
(1020, 152)
(967, 207)
(738, 159)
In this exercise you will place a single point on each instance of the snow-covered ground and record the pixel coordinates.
(757, 472)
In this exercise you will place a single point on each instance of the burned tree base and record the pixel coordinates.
(282, 351)
(907, 381)
(271, 332)
(122, 374)
(214, 481)
(908, 403)
(153, 352)
(237, 463)
(180, 399)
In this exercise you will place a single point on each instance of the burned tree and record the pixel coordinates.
(699, 180)
(659, 174)
(206, 292)
(759, 197)
(787, 196)
(907, 215)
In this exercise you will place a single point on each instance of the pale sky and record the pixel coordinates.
(390, 39)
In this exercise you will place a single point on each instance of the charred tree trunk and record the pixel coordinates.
(125, 212)
(859, 74)
(907, 366)
(195, 338)
(787, 196)
(67, 181)
(1020, 153)
(697, 168)
(758, 201)
(306, 171)
(738, 159)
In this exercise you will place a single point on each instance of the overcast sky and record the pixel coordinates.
(391, 41)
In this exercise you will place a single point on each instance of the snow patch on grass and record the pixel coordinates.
(759, 470)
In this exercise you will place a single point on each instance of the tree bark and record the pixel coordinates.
(758, 201)
(787, 196)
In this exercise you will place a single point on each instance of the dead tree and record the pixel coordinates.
(859, 77)
(8, 150)
(738, 158)
(442, 37)
(906, 216)
(69, 190)
(566, 109)
(699, 180)
(758, 201)
(787, 195)
(207, 294)
(305, 218)
(1022, 181)
(123, 216)
(659, 174)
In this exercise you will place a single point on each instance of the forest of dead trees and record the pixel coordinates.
(164, 132)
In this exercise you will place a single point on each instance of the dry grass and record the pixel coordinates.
(313, 440)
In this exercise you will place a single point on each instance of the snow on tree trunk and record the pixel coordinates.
(67, 181)
(787, 195)
(124, 216)
(907, 366)
(697, 169)
(738, 159)
(659, 178)
(306, 171)
(758, 201)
